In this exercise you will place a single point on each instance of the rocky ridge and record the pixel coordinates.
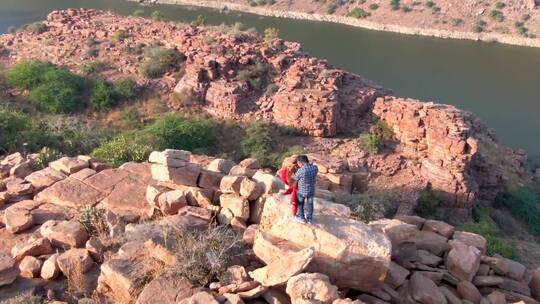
(449, 148)
(407, 259)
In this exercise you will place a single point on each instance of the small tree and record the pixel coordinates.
(157, 16)
(270, 34)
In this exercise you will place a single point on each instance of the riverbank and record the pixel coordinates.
(362, 23)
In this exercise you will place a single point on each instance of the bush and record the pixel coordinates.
(497, 15)
(126, 88)
(54, 98)
(499, 5)
(51, 89)
(130, 118)
(381, 130)
(35, 27)
(479, 26)
(430, 4)
(428, 203)
(122, 149)
(119, 36)
(395, 5)
(93, 220)
(203, 256)
(93, 67)
(358, 13)
(370, 142)
(175, 131)
(457, 21)
(138, 13)
(157, 16)
(12, 125)
(185, 98)
(258, 142)
(46, 155)
(24, 299)
(485, 226)
(103, 96)
(159, 60)
(331, 8)
(369, 206)
(27, 74)
(406, 9)
(373, 6)
(258, 76)
(524, 204)
(270, 34)
(200, 21)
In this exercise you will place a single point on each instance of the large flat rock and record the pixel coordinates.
(70, 192)
(351, 253)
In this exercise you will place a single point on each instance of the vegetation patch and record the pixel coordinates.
(524, 204)
(103, 95)
(497, 15)
(259, 142)
(93, 67)
(258, 76)
(484, 225)
(122, 149)
(35, 27)
(479, 26)
(159, 60)
(378, 134)
(358, 13)
(395, 5)
(428, 203)
(157, 16)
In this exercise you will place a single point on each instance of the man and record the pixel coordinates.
(305, 177)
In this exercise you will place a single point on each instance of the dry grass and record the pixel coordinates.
(24, 299)
(76, 281)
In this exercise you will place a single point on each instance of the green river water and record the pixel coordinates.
(499, 83)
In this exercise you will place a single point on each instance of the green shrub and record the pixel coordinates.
(157, 16)
(27, 74)
(52, 89)
(200, 21)
(500, 5)
(270, 34)
(369, 206)
(103, 95)
(258, 76)
(119, 36)
(130, 118)
(380, 129)
(406, 8)
(428, 203)
(430, 3)
(12, 124)
(497, 15)
(93, 219)
(358, 13)
(373, 6)
(93, 67)
(457, 21)
(46, 155)
(122, 149)
(524, 204)
(395, 4)
(159, 60)
(54, 98)
(126, 88)
(258, 142)
(485, 226)
(331, 8)
(175, 131)
(370, 142)
(138, 13)
(35, 27)
(479, 26)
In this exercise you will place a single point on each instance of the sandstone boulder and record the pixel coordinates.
(280, 271)
(469, 292)
(412, 219)
(44, 178)
(122, 277)
(231, 183)
(34, 246)
(30, 267)
(18, 217)
(210, 180)
(167, 290)
(427, 258)
(450, 294)
(238, 205)
(8, 270)
(202, 297)
(439, 227)
(312, 287)
(396, 230)
(269, 182)
(432, 242)
(535, 284)
(351, 253)
(425, 291)
(74, 260)
(187, 175)
(463, 261)
(506, 267)
(171, 201)
(50, 269)
(242, 171)
(69, 165)
(396, 275)
(471, 239)
(496, 297)
(95, 248)
(83, 174)
(21, 170)
(221, 165)
(175, 160)
(64, 234)
(72, 193)
(19, 188)
(250, 189)
(250, 163)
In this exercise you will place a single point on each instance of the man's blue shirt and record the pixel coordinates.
(306, 178)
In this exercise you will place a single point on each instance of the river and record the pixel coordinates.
(499, 83)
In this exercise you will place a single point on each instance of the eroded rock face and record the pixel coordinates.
(352, 254)
(8, 270)
(311, 287)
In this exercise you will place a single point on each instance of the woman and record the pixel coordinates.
(286, 174)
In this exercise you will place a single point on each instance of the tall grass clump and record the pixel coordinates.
(159, 60)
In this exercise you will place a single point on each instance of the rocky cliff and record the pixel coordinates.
(232, 73)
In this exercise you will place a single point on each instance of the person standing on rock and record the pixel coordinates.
(305, 177)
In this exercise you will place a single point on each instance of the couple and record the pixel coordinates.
(300, 176)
